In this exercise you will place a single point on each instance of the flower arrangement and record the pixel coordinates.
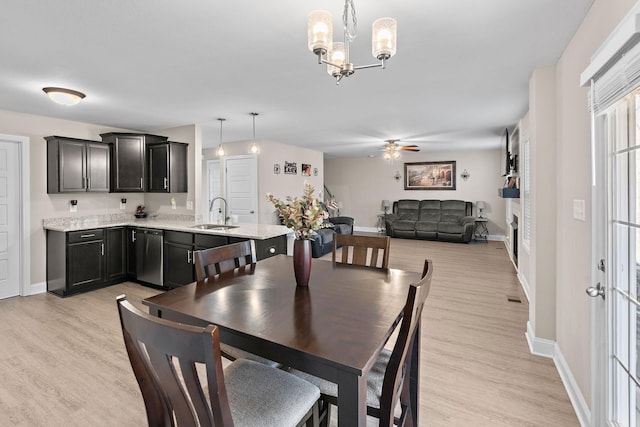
(304, 216)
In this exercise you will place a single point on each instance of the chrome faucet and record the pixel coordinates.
(226, 217)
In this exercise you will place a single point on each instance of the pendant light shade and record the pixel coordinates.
(384, 35)
(254, 149)
(220, 150)
(64, 96)
(319, 31)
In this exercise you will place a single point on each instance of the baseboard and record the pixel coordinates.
(548, 348)
(496, 237)
(539, 346)
(36, 288)
(365, 229)
(583, 412)
(525, 285)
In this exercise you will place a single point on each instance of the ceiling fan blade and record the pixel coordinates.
(409, 149)
(410, 146)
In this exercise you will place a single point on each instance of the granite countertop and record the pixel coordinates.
(184, 223)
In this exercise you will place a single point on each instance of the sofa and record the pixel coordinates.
(322, 243)
(446, 220)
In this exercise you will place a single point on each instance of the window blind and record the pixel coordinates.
(621, 77)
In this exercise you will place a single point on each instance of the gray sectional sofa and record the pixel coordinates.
(446, 220)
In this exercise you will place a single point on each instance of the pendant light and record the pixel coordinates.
(220, 150)
(254, 149)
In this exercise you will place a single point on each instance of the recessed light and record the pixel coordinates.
(63, 96)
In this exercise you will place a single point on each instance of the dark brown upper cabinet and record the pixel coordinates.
(77, 165)
(128, 158)
(167, 167)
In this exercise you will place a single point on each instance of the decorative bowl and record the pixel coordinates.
(141, 215)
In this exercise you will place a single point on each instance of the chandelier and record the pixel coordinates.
(336, 55)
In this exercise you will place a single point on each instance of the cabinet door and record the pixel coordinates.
(85, 263)
(158, 168)
(270, 247)
(178, 168)
(128, 164)
(178, 264)
(131, 253)
(72, 166)
(98, 162)
(116, 253)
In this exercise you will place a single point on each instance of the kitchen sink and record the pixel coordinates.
(214, 227)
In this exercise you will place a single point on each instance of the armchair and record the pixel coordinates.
(322, 243)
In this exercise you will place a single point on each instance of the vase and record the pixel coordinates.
(302, 261)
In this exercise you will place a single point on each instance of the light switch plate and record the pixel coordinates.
(123, 205)
(73, 208)
(578, 210)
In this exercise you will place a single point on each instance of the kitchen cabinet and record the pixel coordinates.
(75, 261)
(131, 252)
(269, 247)
(77, 165)
(178, 258)
(167, 167)
(116, 253)
(128, 159)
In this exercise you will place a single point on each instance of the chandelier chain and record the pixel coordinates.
(350, 33)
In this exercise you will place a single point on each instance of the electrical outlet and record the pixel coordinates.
(189, 205)
(173, 203)
(73, 206)
(123, 205)
(579, 210)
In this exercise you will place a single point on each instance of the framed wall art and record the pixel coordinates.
(276, 168)
(290, 168)
(306, 169)
(430, 176)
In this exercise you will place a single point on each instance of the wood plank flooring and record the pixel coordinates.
(63, 362)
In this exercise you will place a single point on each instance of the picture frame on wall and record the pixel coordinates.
(276, 168)
(306, 169)
(430, 175)
(290, 168)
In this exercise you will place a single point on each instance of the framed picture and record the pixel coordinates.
(290, 168)
(276, 168)
(306, 169)
(430, 176)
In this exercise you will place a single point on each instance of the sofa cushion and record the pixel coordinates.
(450, 227)
(452, 210)
(403, 224)
(429, 210)
(408, 209)
(426, 226)
(343, 228)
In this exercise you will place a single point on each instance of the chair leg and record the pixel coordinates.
(325, 413)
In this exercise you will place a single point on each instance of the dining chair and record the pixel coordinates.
(166, 356)
(356, 250)
(221, 259)
(388, 397)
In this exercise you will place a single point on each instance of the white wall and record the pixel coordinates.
(281, 185)
(573, 241)
(362, 183)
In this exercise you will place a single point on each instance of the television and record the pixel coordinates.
(505, 157)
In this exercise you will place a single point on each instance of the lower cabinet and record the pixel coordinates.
(269, 247)
(178, 258)
(116, 252)
(131, 252)
(75, 261)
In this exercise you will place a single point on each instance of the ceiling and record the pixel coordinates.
(459, 78)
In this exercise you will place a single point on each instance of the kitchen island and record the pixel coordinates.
(85, 253)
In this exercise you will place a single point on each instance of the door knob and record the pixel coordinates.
(597, 291)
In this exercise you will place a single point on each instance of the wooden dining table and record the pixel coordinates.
(334, 328)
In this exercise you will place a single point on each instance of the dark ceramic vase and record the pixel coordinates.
(302, 261)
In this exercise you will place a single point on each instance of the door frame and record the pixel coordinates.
(24, 215)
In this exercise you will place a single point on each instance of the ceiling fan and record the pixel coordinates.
(392, 149)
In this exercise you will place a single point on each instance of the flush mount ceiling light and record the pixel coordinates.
(220, 150)
(64, 96)
(254, 149)
(336, 55)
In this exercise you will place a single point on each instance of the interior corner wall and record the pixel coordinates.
(573, 182)
(362, 183)
(280, 184)
(542, 250)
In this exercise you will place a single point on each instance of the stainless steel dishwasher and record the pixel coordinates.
(149, 256)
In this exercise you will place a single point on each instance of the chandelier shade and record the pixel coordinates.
(320, 31)
(384, 35)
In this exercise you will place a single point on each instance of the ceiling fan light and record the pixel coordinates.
(384, 37)
(387, 155)
(336, 55)
(396, 155)
(319, 31)
(63, 96)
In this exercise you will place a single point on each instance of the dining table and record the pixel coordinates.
(334, 328)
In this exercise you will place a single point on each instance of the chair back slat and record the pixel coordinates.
(163, 356)
(393, 385)
(214, 261)
(367, 251)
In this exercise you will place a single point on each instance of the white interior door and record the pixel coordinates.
(214, 187)
(241, 180)
(10, 248)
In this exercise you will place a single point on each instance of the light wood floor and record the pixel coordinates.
(63, 363)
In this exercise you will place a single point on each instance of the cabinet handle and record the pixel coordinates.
(165, 183)
(88, 183)
(84, 236)
(133, 236)
(189, 257)
(141, 185)
(102, 249)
